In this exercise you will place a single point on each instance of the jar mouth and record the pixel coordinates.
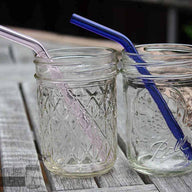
(77, 63)
(63, 55)
(164, 54)
(163, 61)
(162, 49)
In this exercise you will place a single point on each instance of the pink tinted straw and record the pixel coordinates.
(24, 40)
(86, 122)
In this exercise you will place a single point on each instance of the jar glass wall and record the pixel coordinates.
(151, 146)
(76, 94)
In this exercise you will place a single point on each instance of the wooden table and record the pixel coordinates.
(21, 166)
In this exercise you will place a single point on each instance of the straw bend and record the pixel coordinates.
(103, 31)
(23, 40)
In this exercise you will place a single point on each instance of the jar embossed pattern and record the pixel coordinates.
(151, 146)
(76, 94)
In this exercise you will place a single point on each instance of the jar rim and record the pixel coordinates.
(176, 48)
(75, 53)
(162, 60)
(77, 64)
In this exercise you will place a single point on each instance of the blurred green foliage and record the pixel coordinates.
(188, 30)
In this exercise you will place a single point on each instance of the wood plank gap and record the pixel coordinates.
(134, 188)
(11, 54)
(120, 174)
(25, 106)
(46, 178)
(30, 121)
(1, 180)
(19, 159)
(47, 182)
(121, 144)
(145, 178)
(97, 182)
(57, 182)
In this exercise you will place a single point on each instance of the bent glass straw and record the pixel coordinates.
(24, 40)
(86, 122)
(171, 122)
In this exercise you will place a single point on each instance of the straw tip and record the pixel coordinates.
(74, 14)
(73, 17)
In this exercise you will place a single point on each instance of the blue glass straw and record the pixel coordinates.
(174, 127)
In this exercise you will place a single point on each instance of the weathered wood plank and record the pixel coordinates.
(21, 54)
(17, 73)
(135, 188)
(6, 52)
(19, 161)
(57, 182)
(67, 184)
(167, 184)
(121, 114)
(173, 184)
(120, 175)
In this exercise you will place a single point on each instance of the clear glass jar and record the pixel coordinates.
(151, 146)
(76, 94)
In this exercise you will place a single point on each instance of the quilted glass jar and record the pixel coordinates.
(76, 95)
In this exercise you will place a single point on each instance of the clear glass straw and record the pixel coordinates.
(173, 125)
(86, 122)
(24, 40)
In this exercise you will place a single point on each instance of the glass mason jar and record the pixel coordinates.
(151, 146)
(76, 95)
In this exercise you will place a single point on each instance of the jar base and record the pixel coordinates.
(161, 172)
(74, 172)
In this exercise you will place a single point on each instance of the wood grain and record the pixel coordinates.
(57, 182)
(137, 188)
(120, 175)
(19, 162)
